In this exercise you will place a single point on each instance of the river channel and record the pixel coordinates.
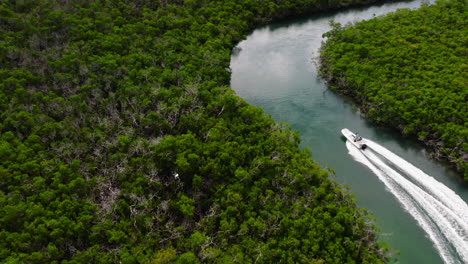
(275, 68)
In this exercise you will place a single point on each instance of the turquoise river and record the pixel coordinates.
(275, 68)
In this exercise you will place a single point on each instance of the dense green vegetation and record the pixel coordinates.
(408, 70)
(120, 142)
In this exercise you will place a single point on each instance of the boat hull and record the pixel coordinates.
(350, 136)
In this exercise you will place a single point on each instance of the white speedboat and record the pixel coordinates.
(355, 139)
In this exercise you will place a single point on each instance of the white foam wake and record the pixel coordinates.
(430, 185)
(438, 210)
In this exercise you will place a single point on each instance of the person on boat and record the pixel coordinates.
(357, 138)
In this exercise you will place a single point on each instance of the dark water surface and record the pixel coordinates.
(274, 68)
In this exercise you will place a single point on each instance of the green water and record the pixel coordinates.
(274, 68)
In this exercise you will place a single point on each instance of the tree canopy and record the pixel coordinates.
(120, 142)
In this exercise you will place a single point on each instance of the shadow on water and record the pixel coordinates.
(236, 51)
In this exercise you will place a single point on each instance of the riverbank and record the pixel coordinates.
(405, 71)
(272, 69)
